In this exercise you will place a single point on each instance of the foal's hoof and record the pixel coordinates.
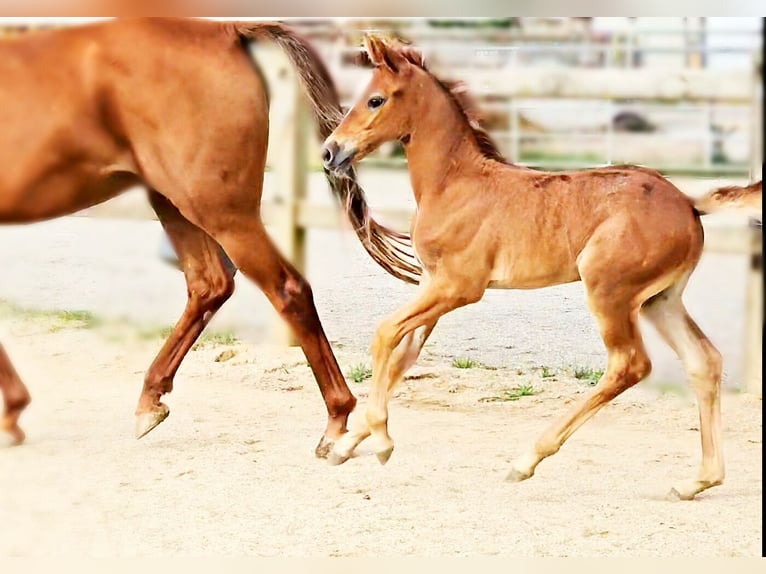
(324, 448)
(674, 495)
(516, 475)
(334, 458)
(384, 455)
(145, 422)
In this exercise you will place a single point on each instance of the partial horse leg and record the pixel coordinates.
(251, 249)
(209, 284)
(627, 364)
(402, 358)
(395, 348)
(15, 396)
(702, 362)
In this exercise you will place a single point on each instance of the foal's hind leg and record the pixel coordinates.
(627, 364)
(15, 396)
(702, 362)
(209, 284)
(249, 246)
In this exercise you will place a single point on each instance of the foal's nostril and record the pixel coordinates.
(329, 152)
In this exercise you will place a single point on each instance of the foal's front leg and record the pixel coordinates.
(395, 349)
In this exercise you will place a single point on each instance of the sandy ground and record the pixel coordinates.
(232, 470)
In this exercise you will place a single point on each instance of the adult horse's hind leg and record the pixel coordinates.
(702, 362)
(15, 396)
(244, 238)
(209, 284)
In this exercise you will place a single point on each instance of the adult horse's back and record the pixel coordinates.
(177, 105)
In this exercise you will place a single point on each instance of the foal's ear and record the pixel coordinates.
(381, 53)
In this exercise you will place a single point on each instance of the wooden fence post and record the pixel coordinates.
(287, 160)
(754, 294)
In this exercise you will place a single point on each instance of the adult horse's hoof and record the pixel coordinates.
(145, 422)
(12, 437)
(324, 447)
(384, 455)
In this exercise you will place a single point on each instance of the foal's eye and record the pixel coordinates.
(375, 102)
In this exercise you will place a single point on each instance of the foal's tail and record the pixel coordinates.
(390, 249)
(747, 199)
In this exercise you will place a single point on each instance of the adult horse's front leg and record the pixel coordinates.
(209, 284)
(251, 249)
(15, 396)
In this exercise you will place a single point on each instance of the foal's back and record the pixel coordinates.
(550, 218)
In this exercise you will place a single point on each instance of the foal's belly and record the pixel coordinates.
(523, 270)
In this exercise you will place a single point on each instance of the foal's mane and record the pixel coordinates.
(458, 92)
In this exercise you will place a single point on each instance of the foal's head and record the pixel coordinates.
(386, 107)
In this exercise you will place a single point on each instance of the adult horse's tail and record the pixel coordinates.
(390, 249)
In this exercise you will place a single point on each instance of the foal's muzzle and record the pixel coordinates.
(337, 158)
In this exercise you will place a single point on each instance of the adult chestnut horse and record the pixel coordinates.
(177, 105)
(626, 232)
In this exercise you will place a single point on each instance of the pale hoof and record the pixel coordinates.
(146, 422)
(334, 458)
(11, 437)
(324, 448)
(384, 455)
(675, 496)
(688, 490)
(516, 475)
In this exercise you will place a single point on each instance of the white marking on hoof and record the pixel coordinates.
(146, 422)
(7, 439)
(335, 458)
(384, 455)
(516, 475)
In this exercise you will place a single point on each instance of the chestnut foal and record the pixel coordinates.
(626, 232)
(177, 105)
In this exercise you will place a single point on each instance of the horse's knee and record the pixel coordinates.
(624, 371)
(209, 294)
(382, 338)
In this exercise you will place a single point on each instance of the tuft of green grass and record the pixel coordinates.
(590, 376)
(513, 394)
(360, 372)
(465, 363)
(61, 318)
(77, 319)
(547, 372)
(214, 339)
(155, 332)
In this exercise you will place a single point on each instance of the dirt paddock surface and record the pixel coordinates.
(232, 470)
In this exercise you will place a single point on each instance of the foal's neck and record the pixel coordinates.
(441, 144)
